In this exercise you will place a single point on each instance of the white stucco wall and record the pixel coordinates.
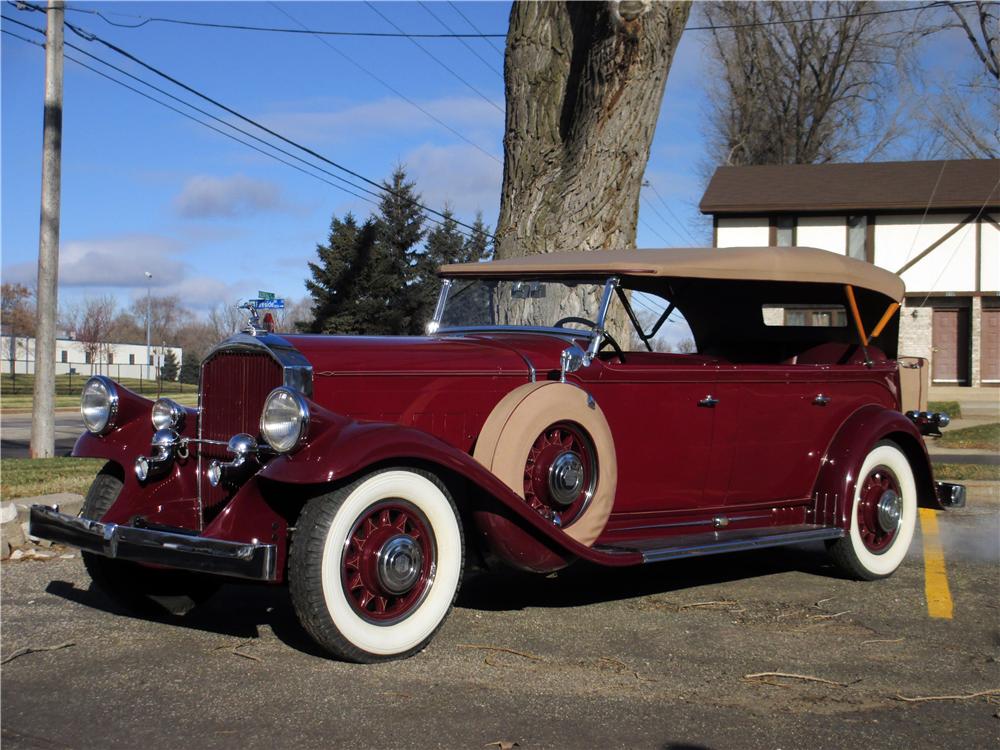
(951, 267)
(990, 276)
(752, 232)
(76, 356)
(824, 232)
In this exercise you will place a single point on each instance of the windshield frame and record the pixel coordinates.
(595, 334)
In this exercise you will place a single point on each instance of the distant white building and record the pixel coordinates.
(933, 222)
(17, 354)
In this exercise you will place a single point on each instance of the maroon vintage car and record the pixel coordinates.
(535, 425)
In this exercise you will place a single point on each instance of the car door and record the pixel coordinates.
(655, 406)
(774, 423)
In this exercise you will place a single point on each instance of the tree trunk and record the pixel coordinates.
(584, 83)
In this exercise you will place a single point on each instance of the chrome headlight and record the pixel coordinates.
(284, 422)
(168, 414)
(99, 404)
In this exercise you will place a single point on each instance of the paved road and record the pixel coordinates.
(648, 658)
(16, 439)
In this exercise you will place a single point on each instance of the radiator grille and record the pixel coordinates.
(233, 388)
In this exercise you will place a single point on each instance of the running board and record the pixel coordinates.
(716, 542)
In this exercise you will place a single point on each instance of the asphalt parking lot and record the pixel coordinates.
(657, 657)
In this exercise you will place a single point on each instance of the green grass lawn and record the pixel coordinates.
(952, 408)
(966, 472)
(16, 392)
(26, 477)
(983, 436)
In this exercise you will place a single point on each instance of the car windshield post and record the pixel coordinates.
(602, 315)
(439, 307)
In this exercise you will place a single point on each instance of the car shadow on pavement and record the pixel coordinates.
(583, 583)
(237, 610)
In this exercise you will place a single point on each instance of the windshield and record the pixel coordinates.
(522, 302)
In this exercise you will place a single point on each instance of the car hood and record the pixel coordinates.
(486, 353)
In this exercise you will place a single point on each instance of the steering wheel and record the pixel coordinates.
(607, 338)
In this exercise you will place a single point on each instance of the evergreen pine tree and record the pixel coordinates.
(445, 244)
(169, 369)
(190, 371)
(401, 228)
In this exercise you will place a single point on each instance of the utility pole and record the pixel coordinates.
(43, 412)
(149, 319)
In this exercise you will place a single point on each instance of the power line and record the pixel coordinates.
(391, 88)
(654, 230)
(202, 111)
(190, 116)
(475, 28)
(190, 89)
(468, 46)
(261, 140)
(659, 216)
(399, 34)
(436, 59)
(680, 223)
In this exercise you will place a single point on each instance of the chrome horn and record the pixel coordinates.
(243, 447)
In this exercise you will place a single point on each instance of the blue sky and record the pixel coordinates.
(146, 189)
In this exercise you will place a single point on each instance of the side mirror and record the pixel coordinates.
(571, 360)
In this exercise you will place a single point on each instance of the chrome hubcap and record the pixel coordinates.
(890, 508)
(399, 564)
(566, 478)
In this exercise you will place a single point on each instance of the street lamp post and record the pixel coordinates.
(149, 316)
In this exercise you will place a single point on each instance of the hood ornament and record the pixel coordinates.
(253, 326)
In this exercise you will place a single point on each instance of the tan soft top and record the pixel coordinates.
(793, 264)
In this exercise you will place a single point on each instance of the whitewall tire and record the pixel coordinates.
(883, 516)
(375, 566)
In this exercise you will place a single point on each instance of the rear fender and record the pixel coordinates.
(833, 493)
(513, 531)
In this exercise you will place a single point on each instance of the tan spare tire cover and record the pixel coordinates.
(521, 416)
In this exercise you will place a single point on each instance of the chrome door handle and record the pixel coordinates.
(821, 400)
(709, 401)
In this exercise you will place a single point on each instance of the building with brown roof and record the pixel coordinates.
(935, 223)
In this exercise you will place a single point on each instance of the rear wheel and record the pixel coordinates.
(375, 566)
(151, 591)
(883, 516)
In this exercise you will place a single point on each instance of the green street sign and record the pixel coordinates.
(265, 295)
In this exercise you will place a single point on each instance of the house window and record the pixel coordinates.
(150, 359)
(131, 359)
(111, 358)
(857, 228)
(87, 358)
(64, 356)
(784, 235)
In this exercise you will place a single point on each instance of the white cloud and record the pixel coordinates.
(111, 262)
(207, 197)
(460, 176)
(474, 118)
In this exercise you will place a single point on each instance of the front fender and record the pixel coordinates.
(833, 493)
(172, 500)
(347, 448)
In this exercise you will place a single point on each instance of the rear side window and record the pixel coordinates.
(804, 316)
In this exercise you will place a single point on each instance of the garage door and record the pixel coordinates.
(950, 342)
(990, 343)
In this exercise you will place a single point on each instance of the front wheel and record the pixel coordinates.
(883, 516)
(375, 566)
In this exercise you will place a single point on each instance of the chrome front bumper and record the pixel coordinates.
(199, 553)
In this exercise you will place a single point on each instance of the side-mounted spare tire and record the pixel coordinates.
(149, 591)
(551, 444)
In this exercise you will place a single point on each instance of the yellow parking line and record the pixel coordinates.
(935, 578)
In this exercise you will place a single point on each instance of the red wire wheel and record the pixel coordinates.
(560, 473)
(388, 562)
(879, 508)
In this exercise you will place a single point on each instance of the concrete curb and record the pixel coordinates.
(14, 515)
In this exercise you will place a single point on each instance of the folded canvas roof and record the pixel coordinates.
(791, 264)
